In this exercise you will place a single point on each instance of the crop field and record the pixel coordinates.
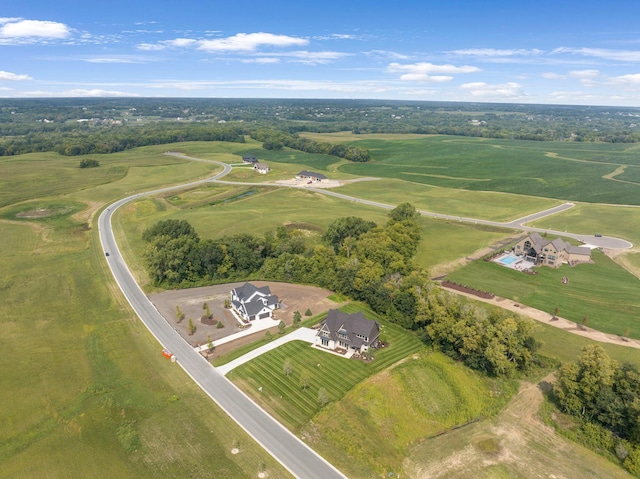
(550, 170)
(283, 395)
(85, 391)
(603, 292)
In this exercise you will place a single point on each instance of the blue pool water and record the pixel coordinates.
(508, 259)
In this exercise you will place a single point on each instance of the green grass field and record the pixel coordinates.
(604, 292)
(293, 405)
(266, 208)
(618, 221)
(552, 170)
(471, 204)
(372, 429)
(85, 391)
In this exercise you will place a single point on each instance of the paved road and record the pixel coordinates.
(290, 451)
(285, 447)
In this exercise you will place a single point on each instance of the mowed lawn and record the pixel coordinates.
(604, 292)
(283, 395)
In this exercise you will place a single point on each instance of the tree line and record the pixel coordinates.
(605, 399)
(276, 140)
(359, 259)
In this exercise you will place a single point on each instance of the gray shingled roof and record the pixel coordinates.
(311, 174)
(354, 324)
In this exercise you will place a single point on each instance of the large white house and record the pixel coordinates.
(251, 303)
(348, 331)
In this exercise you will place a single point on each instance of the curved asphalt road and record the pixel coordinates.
(285, 447)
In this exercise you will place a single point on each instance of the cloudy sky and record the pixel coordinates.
(561, 51)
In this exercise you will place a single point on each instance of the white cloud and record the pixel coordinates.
(164, 44)
(553, 76)
(80, 92)
(485, 90)
(616, 55)
(250, 42)
(387, 54)
(261, 60)
(584, 73)
(115, 60)
(13, 76)
(632, 79)
(422, 71)
(496, 52)
(14, 28)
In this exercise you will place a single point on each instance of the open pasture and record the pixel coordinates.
(604, 292)
(568, 171)
(85, 391)
(486, 205)
(373, 428)
(284, 396)
(266, 208)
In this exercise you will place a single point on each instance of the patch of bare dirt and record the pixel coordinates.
(516, 442)
(34, 214)
(293, 297)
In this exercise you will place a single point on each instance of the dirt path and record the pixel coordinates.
(546, 318)
(516, 444)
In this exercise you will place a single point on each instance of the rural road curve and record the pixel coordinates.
(284, 446)
(299, 459)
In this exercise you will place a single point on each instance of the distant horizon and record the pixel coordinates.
(579, 53)
(378, 100)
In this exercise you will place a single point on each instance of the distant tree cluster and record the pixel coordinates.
(276, 140)
(89, 163)
(358, 259)
(606, 398)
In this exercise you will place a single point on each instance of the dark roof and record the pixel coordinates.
(538, 243)
(249, 159)
(311, 174)
(245, 291)
(354, 325)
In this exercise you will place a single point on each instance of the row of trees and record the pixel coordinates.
(603, 394)
(357, 258)
(99, 140)
(276, 140)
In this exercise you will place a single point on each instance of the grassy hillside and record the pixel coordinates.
(604, 292)
(85, 391)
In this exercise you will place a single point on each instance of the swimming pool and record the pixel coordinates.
(508, 260)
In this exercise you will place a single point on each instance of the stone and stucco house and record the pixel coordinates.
(551, 253)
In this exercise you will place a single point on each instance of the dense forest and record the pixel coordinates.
(79, 126)
(359, 259)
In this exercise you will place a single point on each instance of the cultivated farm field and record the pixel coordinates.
(568, 171)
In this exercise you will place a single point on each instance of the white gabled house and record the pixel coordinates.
(348, 331)
(250, 302)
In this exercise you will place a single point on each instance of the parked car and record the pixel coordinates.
(106, 254)
(598, 235)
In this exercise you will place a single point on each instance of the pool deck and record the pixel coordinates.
(518, 262)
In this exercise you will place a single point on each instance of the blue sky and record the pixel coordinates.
(559, 52)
